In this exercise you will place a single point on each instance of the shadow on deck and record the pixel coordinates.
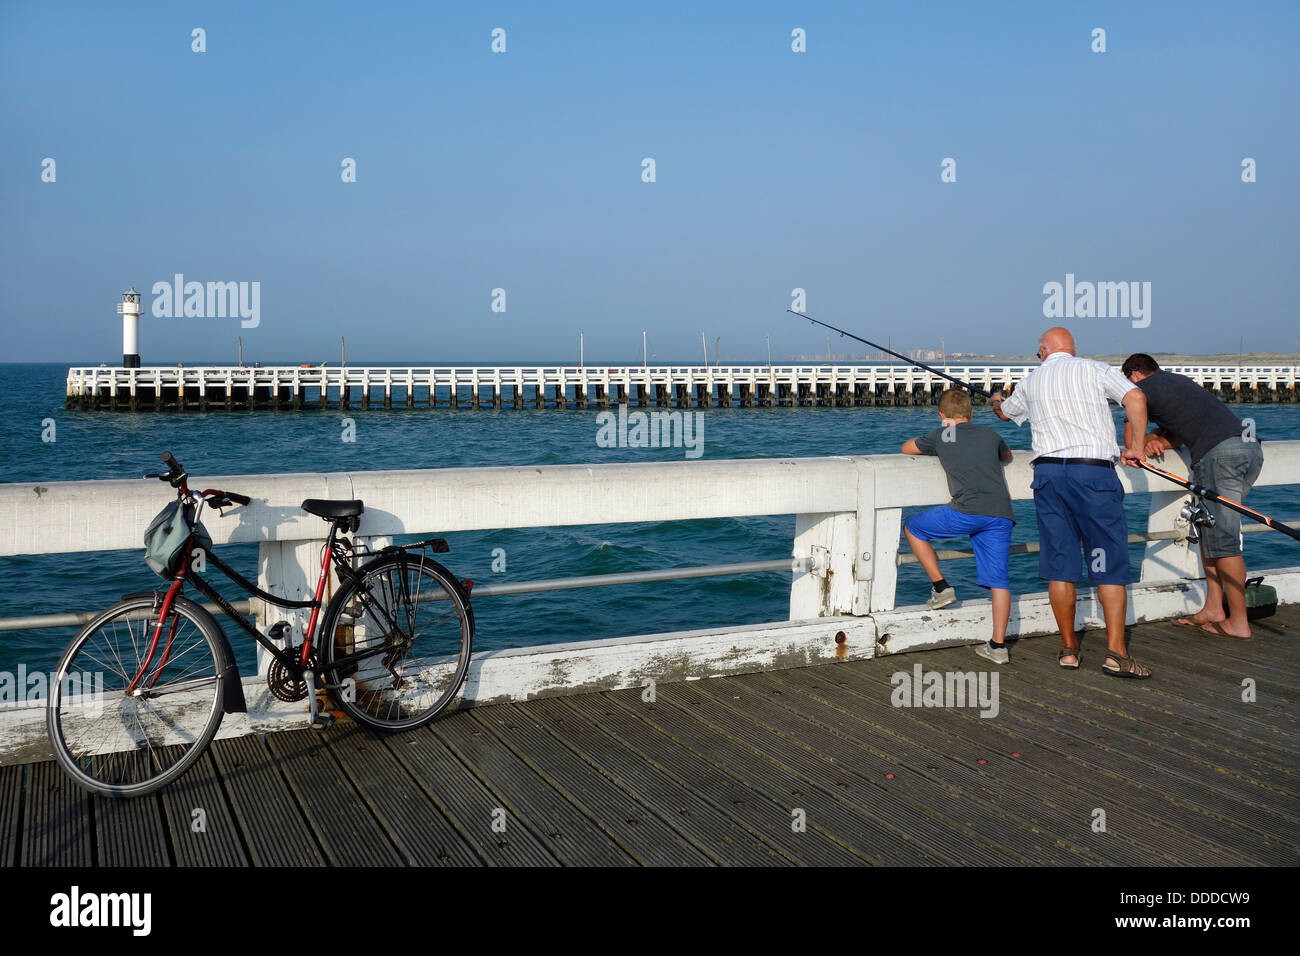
(724, 771)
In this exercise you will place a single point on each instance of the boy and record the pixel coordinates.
(972, 458)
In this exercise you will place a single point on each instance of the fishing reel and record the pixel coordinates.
(1197, 516)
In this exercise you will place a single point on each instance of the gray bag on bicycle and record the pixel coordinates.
(165, 538)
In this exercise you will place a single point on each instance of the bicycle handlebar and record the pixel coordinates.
(177, 477)
(175, 472)
(222, 499)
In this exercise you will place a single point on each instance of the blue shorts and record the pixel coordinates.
(989, 536)
(1080, 506)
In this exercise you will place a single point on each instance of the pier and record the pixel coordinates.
(283, 388)
(715, 771)
(705, 747)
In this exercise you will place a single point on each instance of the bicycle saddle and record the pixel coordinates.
(326, 508)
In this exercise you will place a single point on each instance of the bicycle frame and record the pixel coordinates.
(332, 552)
(297, 660)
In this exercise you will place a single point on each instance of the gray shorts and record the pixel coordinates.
(1230, 468)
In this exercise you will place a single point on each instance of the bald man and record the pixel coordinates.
(1078, 499)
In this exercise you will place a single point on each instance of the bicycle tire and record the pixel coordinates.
(354, 626)
(164, 746)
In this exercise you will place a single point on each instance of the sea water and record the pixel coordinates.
(124, 445)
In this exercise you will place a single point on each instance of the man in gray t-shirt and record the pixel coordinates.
(1227, 457)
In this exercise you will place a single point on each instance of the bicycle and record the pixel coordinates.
(393, 648)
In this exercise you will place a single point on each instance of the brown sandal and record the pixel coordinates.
(1128, 667)
(1075, 652)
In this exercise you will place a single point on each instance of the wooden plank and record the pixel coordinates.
(1216, 710)
(1121, 786)
(1015, 784)
(628, 820)
(1116, 752)
(1158, 725)
(410, 819)
(130, 832)
(466, 801)
(11, 799)
(906, 819)
(347, 832)
(1210, 656)
(1063, 779)
(722, 838)
(564, 829)
(1208, 697)
(269, 817)
(218, 840)
(761, 801)
(1270, 645)
(56, 819)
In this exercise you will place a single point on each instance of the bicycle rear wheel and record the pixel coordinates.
(122, 745)
(395, 644)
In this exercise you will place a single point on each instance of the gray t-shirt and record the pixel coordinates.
(972, 459)
(1197, 416)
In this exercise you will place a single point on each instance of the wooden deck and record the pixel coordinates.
(715, 772)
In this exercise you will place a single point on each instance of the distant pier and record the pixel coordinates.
(283, 388)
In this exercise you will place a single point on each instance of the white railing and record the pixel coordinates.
(89, 380)
(848, 513)
(851, 506)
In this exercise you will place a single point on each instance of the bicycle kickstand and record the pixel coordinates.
(318, 721)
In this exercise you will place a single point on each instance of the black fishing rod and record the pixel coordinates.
(1203, 492)
(928, 368)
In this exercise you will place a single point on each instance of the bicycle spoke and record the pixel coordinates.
(123, 744)
(408, 649)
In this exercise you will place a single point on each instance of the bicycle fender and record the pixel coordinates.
(232, 697)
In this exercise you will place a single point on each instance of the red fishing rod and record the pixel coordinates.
(1203, 492)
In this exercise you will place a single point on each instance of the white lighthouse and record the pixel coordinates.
(129, 310)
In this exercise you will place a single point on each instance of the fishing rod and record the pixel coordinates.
(1203, 492)
(928, 368)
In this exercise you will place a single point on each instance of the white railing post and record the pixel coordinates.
(1169, 559)
(286, 569)
(825, 589)
(884, 580)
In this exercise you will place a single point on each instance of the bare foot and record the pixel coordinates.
(1202, 617)
(1225, 628)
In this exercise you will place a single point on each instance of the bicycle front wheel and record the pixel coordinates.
(122, 744)
(395, 643)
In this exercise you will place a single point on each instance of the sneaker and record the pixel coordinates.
(997, 653)
(940, 599)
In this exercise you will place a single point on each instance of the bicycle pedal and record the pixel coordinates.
(323, 722)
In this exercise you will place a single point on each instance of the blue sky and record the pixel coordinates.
(522, 171)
